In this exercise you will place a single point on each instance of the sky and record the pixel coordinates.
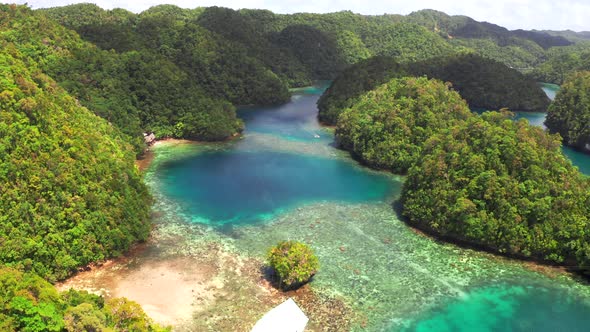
(512, 14)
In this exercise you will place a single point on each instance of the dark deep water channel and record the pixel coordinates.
(284, 180)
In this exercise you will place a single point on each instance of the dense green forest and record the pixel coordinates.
(135, 91)
(29, 303)
(79, 85)
(386, 127)
(504, 185)
(224, 56)
(355, 80)
(517, 49)
(562, 62)
(569, 114)
(483, 82)
(70, 192)
(180, 73)
(485, 180)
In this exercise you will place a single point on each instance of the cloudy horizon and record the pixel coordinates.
(512, 14)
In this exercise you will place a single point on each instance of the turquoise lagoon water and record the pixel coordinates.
(234, 186)
(247, 181)
(294, 121)
(550, 89)
(281, 181)
(508, 307)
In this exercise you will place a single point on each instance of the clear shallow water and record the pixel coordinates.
(393, 278)
(550, 89)
(249, 181)
(509, 308)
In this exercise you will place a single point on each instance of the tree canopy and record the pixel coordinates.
(29, 303)
(353, 82)
(293, 262)
(563, 62)
(485, 83)
(569, 114)
(386, 127)
(504, 185)
(70, 193)
(485, 180)
(482, 82)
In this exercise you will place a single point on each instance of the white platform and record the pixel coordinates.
(286, 317)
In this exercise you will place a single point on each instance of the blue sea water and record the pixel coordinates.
(242, 187)
(240, 184)
(509, 307)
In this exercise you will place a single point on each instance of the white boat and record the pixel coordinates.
(286, 317)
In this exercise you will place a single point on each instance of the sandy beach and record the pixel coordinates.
(205, 288)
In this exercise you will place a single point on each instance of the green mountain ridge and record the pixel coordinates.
(483, 83)
(80, 84)
(71, 194)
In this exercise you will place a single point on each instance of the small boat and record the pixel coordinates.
(286, 317)
(316, 135)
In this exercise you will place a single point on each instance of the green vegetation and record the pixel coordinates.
(569, 114)
(79, 85)
(136, 91)
(353, 82)
(294, 263)
(323, 61)
(517, 49)
(485, 83)
(70, 192)
(484, 180)
(138, 85)
(29, 303)
(522, 57)
(503, 185)
(386, 127)
(407, 42)
(252, 56)
(562, 62)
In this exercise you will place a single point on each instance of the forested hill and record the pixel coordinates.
(225, 50)
(485, 83)
(70, 193)
(486, 180)
(466, 27)
(482, 82)
(178, 73)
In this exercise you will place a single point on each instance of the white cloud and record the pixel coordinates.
(513, 14)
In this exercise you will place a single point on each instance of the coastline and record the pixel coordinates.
(202, 285)
(144, 161)
(536, 264)
(196, 278)
(188, 277)
(547, 268)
